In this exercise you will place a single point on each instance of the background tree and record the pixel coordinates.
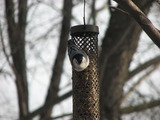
(33, 60)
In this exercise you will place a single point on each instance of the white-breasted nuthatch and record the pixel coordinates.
(78, 58)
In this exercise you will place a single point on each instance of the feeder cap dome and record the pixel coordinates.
(84, 28)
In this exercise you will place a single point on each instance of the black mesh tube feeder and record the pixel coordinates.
(86, 82)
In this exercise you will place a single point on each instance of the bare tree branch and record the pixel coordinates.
(117, 52)
(153, 86)
(135, 85)
(16, 33)
(94, 12)
(116, 8)
(142, 67)
(140, 107)
(110, 4)
(61, 116)
(48, 105)
(4, 51)
(58, 65)
(143, 21)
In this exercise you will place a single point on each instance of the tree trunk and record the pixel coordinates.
(16, 33)
(119, 45)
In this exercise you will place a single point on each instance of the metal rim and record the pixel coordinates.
(84, 28)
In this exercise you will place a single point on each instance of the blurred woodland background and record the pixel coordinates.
(35, 73)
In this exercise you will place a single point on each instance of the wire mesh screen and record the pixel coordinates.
(86, 83)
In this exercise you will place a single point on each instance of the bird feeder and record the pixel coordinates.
(86, 82)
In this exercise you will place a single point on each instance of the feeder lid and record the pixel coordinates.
(84, 28)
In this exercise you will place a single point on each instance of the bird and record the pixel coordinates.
(78, 58)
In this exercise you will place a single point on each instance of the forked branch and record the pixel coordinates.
(142, 20)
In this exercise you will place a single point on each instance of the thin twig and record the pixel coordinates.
(3, 46)
(61, 116)
(4, 50)
(138, 83)
(118, 9)
(143, 66)
(140, 107)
